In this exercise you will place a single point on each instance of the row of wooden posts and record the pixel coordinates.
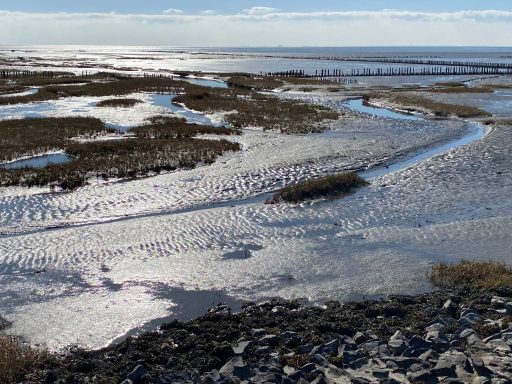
(394, 71)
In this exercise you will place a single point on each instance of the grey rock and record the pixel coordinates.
(444, 368)
(348, 342)
(289, 335)
(258, 332)
(211, 377)
(360, 338)
(296, 375)
(303, 349)
(404, 363)
(429, 355)
(436, 327)
(416, 367)
(469, 317)
(508, 309)
(450, 306)
(264, 350)
(136, 375)
(319, 360)
(267, 377)
(380, 373)
(308, 367)
(320, 380)
(397, 346)
(350, 356)
(330, 349)
(356, 364)
(242, 348)
(236, 368)
(423, 377)
(479, 367)
(417, 342)
(271, 340)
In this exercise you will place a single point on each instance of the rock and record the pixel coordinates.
(469, 317)
(137, 374)
(423, 377)
(436, 327)
(319, 360)
(271, 340)
(330, 349)
(264, 350)
(303, 349)
(479, 367)
(380, 373)
(320, 380)
(508, 309)
(450, 307)
(356, 364)
(360, 338)
(287, 335)
(444, 368)
(296, 375)
(500, 346)
(258, 332)
(211, 377)
(397, 346)
(236, 368)
(429, 355)
(350, 356)
(417, 342)
(242, 348)
(308, 367)
(267, 377)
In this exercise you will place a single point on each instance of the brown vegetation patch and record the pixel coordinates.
(473, 274)
(257, 110)
(172, 127)
(118, 103)
(328, 186)
(411, 102)
(17, 359)
(29, 137)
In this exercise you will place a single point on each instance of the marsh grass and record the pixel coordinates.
(165, 145)
(17, 359)
(172, 127)
(328, 186)
(438, 109)
(257, 110)
(29, 137)
(473, 274)
(118, 103)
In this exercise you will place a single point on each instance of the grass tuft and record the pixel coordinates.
(328, 186)
(118, 103)
(17, 359)
(473, 274)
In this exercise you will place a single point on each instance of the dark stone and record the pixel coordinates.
(422, 377)
(136, 375)
(444, 368)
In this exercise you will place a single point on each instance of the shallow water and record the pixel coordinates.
(477, 132)
(39, 161)
(165, 100)
(206, 82)
(359, 106)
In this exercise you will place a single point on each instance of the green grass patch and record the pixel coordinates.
(473, 274)
(328, 186)
(118, 103)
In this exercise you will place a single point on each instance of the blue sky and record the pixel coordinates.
(225, 6)
(257, 23)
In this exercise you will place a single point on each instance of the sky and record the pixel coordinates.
(257, 23)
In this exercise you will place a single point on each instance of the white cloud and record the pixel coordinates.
(260, 11)
(261, 26)
(173, 11)
(208, 12)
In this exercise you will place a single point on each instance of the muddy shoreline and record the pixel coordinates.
(288, 342)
